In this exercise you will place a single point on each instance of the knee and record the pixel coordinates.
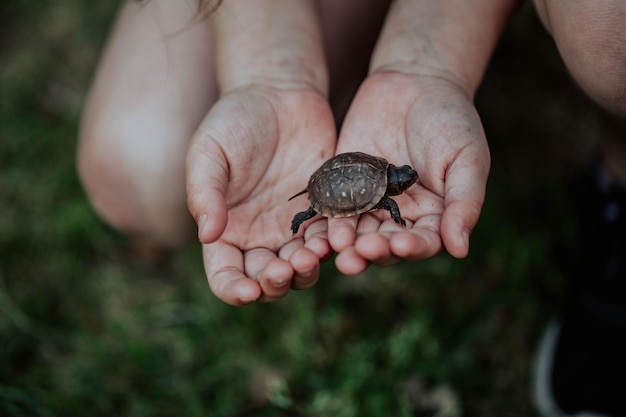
(128, 189)
(104, 172)
(591, 37)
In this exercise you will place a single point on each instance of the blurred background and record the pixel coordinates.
(93, 323)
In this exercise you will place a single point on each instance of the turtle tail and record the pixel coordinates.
(295, 195)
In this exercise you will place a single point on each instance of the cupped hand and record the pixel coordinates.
(431, 124)
(255, 149)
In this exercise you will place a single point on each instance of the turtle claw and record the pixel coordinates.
(300, 218)
(391, 206)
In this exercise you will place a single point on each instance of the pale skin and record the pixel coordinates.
(281, 72)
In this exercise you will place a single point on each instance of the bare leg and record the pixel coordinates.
(586, 368)
(152, 89)
(591, 37)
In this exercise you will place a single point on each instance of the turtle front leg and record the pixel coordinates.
(391, 206)
(300, 218)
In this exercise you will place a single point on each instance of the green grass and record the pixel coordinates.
(88, 326)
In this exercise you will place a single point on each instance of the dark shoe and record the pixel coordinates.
(581, 363)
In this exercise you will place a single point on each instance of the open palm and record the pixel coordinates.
(430, 124)
(255, 149)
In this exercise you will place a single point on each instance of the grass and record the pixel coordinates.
(89, 326)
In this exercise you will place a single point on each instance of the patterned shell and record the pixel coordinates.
(348, 184)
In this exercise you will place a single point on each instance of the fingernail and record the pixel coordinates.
(466, 235)
(280, 284)
(247, 295)
(201, 223)
(307, 274)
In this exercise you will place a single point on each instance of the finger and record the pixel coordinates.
(464, 197)
(342, 232)
(224, 268)
(349, 262)
(392, 243)
(307, 268)
(272, 273)
(457, 224)
(420, 242)
(207, 181)
(374, 247)
(372, 242)
(316, 240)
(374, 239)
(304, 262)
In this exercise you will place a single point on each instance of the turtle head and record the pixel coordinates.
(399, 179)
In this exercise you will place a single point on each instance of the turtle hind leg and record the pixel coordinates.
(391, 206)
(300, 218)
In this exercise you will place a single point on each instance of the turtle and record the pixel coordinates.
(353, 183)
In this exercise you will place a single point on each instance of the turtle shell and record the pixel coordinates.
(348, 184)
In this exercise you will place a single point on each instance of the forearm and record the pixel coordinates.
(452, 39)
(269, 42)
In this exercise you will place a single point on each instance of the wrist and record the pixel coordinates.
(448, 40)
(273, 43)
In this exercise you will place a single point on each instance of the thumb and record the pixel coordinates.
(207, 182)
(464, 197)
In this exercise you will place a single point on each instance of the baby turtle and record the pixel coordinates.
(353, 183)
